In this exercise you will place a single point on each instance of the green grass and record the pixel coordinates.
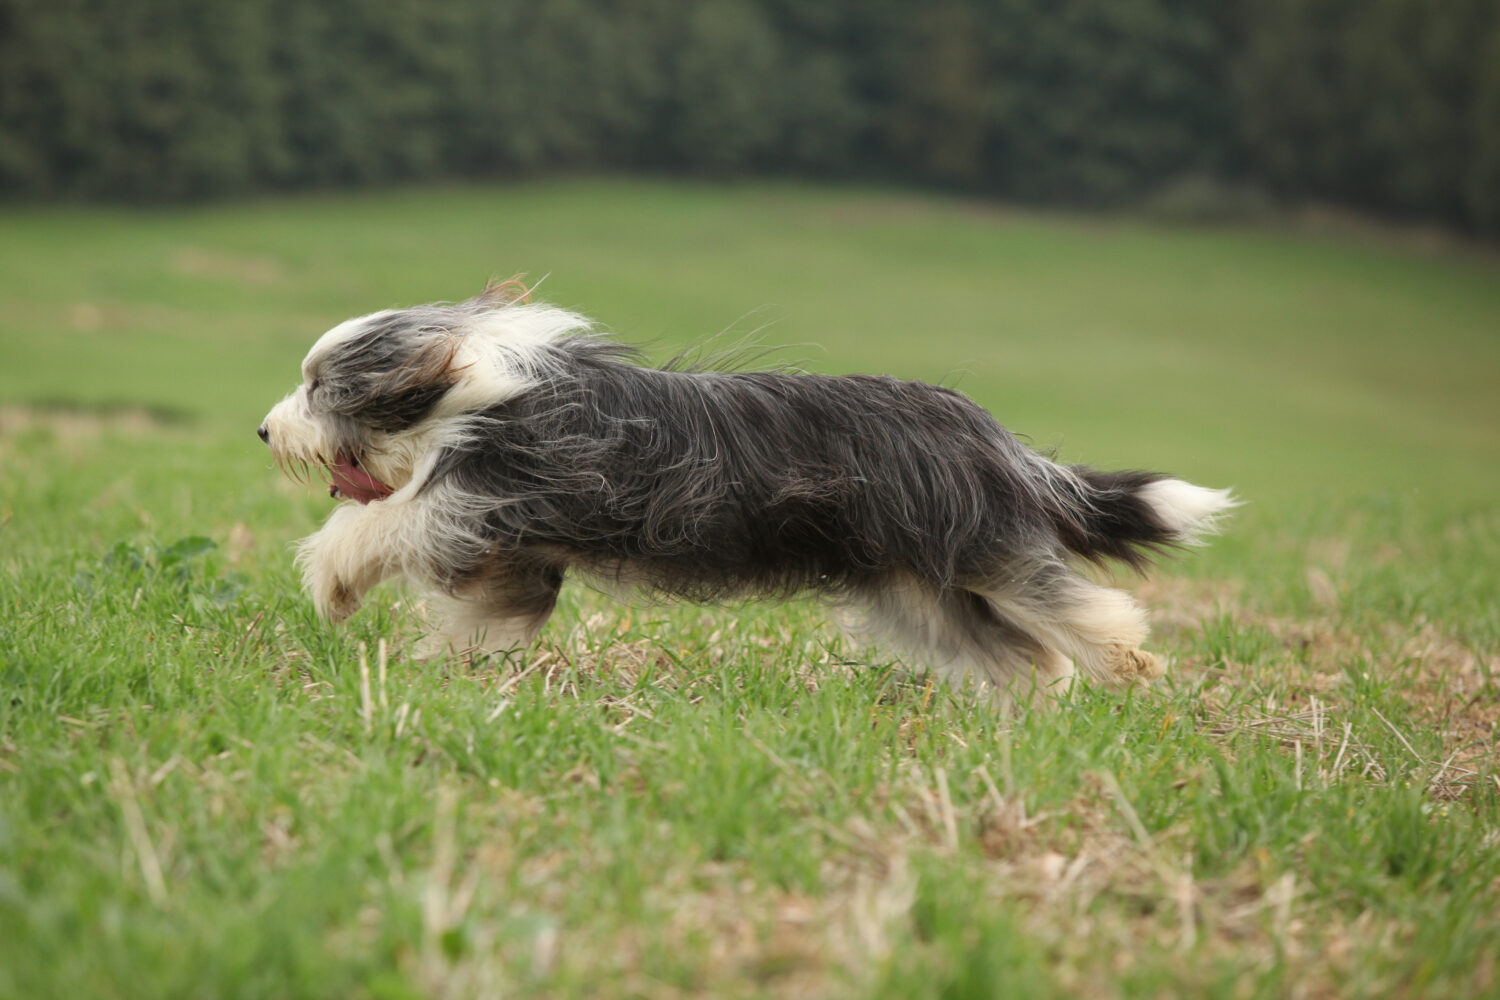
(206, 792)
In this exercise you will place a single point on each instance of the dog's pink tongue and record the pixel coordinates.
(355, 483)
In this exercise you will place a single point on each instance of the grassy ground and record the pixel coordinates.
(205, 792)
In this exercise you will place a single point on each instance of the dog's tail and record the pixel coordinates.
(1130, 516)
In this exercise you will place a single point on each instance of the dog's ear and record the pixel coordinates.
(398, 395)
(432, 366)
(396, 398)
(503, 293)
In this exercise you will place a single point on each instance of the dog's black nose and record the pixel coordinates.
(264, 432)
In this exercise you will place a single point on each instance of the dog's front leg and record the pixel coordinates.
(357, 547)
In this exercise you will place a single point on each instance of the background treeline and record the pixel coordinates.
(1393, 105)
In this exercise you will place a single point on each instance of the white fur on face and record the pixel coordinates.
(297, 438)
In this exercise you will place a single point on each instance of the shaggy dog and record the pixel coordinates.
(489, 447)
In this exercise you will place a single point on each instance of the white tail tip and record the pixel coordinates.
(1190, 513)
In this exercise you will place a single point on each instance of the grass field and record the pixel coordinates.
(206, 792)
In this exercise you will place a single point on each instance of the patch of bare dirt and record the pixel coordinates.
(73, 425)
(245, 268)
(95, 317)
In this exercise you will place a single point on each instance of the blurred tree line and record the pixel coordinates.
(1393, 105)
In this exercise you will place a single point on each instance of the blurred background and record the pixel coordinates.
(1391, 106)
(1107, 221)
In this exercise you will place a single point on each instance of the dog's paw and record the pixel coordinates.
(1139, 665)
(339, 605)
(332, 598)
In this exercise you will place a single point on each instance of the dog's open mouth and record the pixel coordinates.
(349, 480)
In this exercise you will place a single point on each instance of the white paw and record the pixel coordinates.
(333, 598)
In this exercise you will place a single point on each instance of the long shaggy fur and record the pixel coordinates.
(494, 445)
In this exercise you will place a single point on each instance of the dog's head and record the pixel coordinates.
(382, 393)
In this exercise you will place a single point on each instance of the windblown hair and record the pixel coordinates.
(494, 445)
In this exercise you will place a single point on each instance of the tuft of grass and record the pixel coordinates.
(206, 791)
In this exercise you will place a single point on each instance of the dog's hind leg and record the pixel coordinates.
(956, 633)
(495, 610)
(1098, 628)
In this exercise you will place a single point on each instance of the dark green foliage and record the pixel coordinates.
(1393, 104)
(1388, 104)
(178, 568)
